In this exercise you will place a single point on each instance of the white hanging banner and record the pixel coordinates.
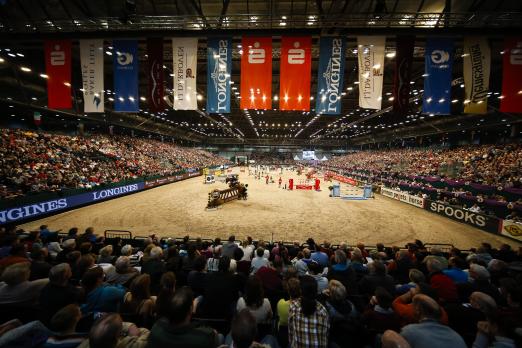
(91, 60)
(371, 67)
(185, 63)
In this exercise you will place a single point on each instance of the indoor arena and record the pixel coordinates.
(260, 173)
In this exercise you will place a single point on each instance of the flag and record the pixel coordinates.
(512, 76)
(371, 67)
(91, 60)
(438, 58)
(185, 63)
(37, 118)
(330, 75)
(477, 61)
(402, 77)
(155, 74)
(256, 73)
(125, 62)
(219, 69)
(295, 73)
(58, 71)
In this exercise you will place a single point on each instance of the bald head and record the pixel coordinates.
(391, 339)
(425, 307)
(483, 302)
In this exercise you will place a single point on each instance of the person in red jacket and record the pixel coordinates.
(444, 285)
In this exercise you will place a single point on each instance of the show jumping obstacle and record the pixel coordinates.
(235, 191)
(352, 193)
(304, 185)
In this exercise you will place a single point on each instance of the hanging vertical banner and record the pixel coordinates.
(155, 74)
(91, 60)
(58, 71)
(330, 75)
(256, 73)
(477, 63)
(37, 118)
(185, 63)
(402, 77)
(512, 76)
(371, 67)
(125, 62)
(296, 73)
(438, 59)
(219, 69)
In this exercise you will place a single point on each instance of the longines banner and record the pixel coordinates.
(438, 58)
(155, 74)
(402, 77)
(403, 197)
(481, 221)
(256, 73)
(125, 62)
(219, 70)
(330, 75)
(185, 64)
(91, 60)
(295, 73)
(512, 229)
(35, 209)
(511, 76)
(58, 70)
(371, 66)
(477, 61)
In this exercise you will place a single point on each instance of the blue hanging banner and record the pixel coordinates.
(437, 80)
(219, 70)
(330, 75)
(126, 95)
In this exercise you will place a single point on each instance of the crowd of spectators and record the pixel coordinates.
(82, 290)
(269, 158)
(35, 162)
(486, 178)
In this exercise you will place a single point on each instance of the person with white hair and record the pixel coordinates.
(16, 289)
(128, 251)
(155, 267)
(122, 273)
(106, 255)
(480, 281)
(68, 246)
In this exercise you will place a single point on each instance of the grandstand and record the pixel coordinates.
(233, 174)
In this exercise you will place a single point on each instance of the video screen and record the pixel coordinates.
(308, 155)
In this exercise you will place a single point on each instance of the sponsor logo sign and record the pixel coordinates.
(483, 222)
(438, 62)
(219, 70)
(512, 229)
(330, 75)
(403, 197)
(91, 59)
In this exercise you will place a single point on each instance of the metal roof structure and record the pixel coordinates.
(24, 24)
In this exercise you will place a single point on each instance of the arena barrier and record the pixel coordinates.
(304, 185)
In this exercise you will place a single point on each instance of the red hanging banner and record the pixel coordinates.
(58, 71)
(256, 73)
(155, 74)
(296, 64)
(511, 76)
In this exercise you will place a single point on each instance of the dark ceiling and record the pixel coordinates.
(25, 23)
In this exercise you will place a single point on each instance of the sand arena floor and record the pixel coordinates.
(178, 209)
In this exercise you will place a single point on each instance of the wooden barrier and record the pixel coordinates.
(219, 197)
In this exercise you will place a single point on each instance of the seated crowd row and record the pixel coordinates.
(81, 290)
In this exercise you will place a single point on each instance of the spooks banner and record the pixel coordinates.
(330, 75)
(155, 74)
(91, 60)
(477, 60)
(256, 73)
(185, 64)
(58, 70)
(296, 73)
(437, 80)
(371, 67)
(402, 77)
(219, 69)
(125, 63)
(512, 76)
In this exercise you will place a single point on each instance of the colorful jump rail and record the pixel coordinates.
(58, 205)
